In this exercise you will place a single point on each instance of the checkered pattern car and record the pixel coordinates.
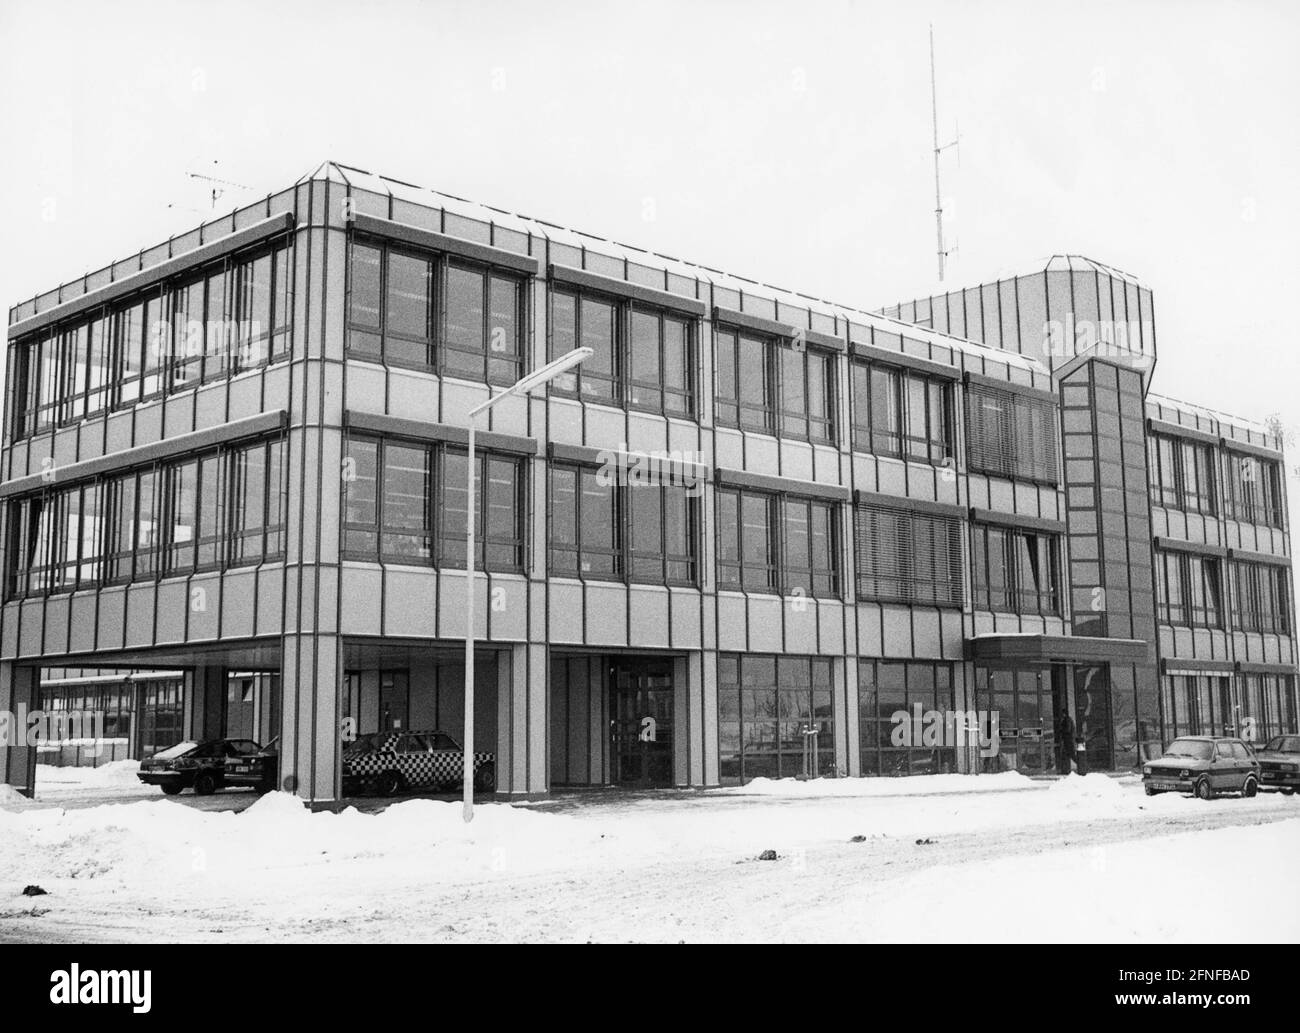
(388, 762)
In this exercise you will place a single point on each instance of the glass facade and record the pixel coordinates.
(894, 697)
(775, 718)
(223, 319)
(404, 502)
(222, 509)
(427, 311)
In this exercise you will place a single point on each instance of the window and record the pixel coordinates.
(169, 518)
(581, 320)
(746, 376)
(886, 688)
(427, 311)
(902, 413)
(181, 516)
(1015, 570)
(806, 378)
(1266, 706)
(1255, 490)
(498, 511)
(908, 557)
(661, 363)
(770, 385)
(406, 532)
(1263, 598)
(1188, 589)
(641, 532)
(167, 339)
(585, 525)
(1182, 474)
(1195, 705)
(787, 544)
(1011, 435)
(775, 717)
(392, 513)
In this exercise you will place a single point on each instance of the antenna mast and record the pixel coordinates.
(938, 191)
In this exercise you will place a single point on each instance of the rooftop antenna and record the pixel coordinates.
(938, 191)
(217, 187)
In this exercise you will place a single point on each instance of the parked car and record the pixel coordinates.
(200, 766)
(260, 770)
(389, 762)
(1279, 764)
(1205, 765)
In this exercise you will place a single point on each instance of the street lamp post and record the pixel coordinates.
(531, 382)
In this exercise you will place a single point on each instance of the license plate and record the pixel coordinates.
(1271, 776)
(241, 769)
(1163, 784)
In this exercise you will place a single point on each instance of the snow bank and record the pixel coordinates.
(920, 785)
(115, 773)
(10, 795)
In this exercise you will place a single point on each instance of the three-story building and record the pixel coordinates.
(737, 541)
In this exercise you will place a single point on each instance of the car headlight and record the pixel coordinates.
(1291, 767)
(1147, 771)
(1184, 773)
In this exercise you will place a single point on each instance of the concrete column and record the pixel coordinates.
(205, 703)
(311, 677)
(523, 732)
(848, 744)
(706, 689)
(19, 686)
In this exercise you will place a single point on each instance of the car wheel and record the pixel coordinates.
(1151, 790)
(1204, 790)
(205, 784)
(485, 778)
(1286, 790)
(1249, 787)
(170, 790)
(390, 783)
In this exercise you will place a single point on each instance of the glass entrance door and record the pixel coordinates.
(642, 722)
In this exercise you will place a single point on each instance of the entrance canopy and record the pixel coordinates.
(1035, 648)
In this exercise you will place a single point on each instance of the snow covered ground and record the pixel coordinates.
(988, 859)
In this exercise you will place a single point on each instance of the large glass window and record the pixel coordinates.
(391, 511)
(775, 717)
(1254, 489)
(1011, 434)
(1015, 570)
(408, 310)
(646, 532)
(1263, 597)
(167, 339)
(909, 557)
(1188, 589)
(777, 543)
(429, 311)
(1182, 474)
(887, 689)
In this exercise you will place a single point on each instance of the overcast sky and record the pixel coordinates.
(788, 141)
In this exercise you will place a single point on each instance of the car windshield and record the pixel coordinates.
(244, 747)
(179, 750)
(1196, 749)
(366, 743)
(1284, 744)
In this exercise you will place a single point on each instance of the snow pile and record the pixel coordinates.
(1075, 790)
(9, 796)
(110, 775)
(150, 843)
(920, 785)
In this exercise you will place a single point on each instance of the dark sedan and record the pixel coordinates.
(200, 766)
(258, 770)
(1279, 764)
